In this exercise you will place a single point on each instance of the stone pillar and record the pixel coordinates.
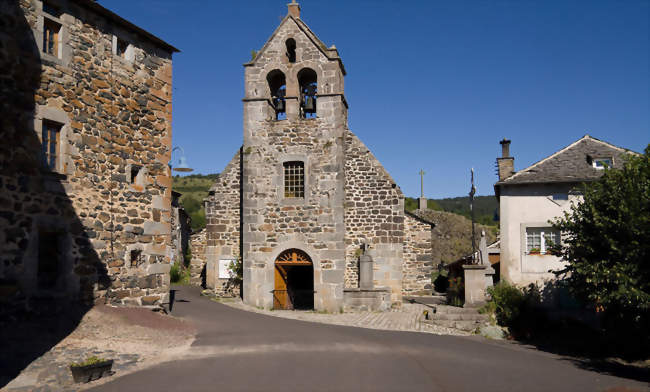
(475, 287)
(365, 273)
(422, 203)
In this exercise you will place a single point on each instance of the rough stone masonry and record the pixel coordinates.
(86, 137)
(346, 199)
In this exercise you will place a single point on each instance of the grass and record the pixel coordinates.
(179, 275)
(89, 361)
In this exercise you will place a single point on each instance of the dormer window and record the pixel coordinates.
(601, 163)
(291, 50)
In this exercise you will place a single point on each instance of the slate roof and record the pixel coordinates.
(571, 164)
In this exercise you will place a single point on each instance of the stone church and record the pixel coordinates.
(304, 199)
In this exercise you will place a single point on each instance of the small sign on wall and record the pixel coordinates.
(224, 268)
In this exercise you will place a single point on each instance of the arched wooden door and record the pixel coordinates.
(294, 281)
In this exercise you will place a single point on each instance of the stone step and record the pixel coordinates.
(426, 300)
(454, 309)
(460, 316)
(463, 325)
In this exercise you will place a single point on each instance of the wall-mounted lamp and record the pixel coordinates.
(182, 162)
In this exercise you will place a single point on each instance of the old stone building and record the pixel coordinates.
(303, 198)
(85, 185)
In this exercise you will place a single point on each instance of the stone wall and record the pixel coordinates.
(418, 261)
(87, 211)
(197, 263)
(222, 211)
(374, 213)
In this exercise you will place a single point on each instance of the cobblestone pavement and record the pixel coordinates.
(405, 318)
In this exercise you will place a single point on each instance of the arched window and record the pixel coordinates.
(278, 88)
(294, 179)
(291, 50)
(308, 82)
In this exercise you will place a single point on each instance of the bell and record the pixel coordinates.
(182, 165)
(279, 105)
(310, 105)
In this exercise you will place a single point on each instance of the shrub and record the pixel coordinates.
(175, 273)
(507, 303)
(179, 275)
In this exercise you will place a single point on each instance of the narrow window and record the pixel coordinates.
(121, 48)
(51, 32)
(49, 254)
(307, 79)
(294, 179)
(291, 50)
(50, 144)
(135, 170)
(135, 257)
(278, 87)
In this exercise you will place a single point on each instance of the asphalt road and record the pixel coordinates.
(242, 351)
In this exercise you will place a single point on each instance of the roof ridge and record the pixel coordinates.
(547, 158)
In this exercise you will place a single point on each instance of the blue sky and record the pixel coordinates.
(432, 85)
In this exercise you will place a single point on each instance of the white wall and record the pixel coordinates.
(524, 206)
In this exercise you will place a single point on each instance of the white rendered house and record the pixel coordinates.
(542, 192)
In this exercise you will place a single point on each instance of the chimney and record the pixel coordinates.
(505, 164)
(294, 9)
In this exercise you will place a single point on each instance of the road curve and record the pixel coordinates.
(237, 350)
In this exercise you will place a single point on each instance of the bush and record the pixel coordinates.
(515, 308)
(174, 273)
(179, 275)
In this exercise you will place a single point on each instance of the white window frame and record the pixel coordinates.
(543, 232)
(599, 163)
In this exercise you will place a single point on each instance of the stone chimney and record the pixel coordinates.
(505, 164)
(422, 203)
(294, 9)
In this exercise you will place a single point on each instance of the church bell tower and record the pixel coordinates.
(295, 116)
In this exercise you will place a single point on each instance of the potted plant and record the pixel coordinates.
(534, 251)
(91, 369)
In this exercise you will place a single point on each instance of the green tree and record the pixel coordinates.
(607, 245)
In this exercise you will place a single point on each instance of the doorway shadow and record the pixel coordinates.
(49, 269)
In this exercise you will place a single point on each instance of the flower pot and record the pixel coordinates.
(92, 372)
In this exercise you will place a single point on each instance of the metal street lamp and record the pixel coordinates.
(182, 161)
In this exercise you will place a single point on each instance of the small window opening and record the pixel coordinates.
(294, 179)
(601, 163)
(51, 9)
(541, 240)
(135, 170)
(307, 79)
(50, 138)
(561, 196)
(122, 46)
(135, 258)
(291, 50)
(49, 259)
(51, 34)
(278, 89)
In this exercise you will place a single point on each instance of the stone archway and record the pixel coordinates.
(294, 280)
